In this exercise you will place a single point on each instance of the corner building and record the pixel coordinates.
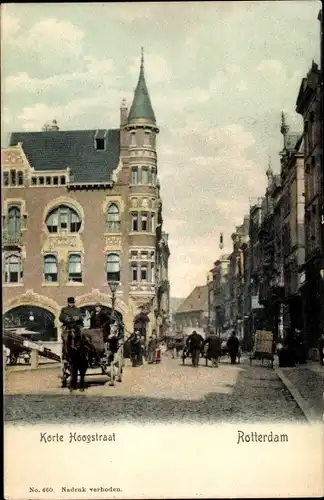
(82, 208)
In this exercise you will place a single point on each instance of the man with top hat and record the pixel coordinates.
(71, 315)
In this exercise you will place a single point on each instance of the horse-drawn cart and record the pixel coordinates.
(107, 358)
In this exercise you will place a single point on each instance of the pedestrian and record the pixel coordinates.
(179, 343)
(195, 344)
(213, 352)
(321, 349)
(143, 350)
(151, 348)
(135, 348)
(233, 346)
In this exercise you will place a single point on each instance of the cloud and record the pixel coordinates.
(157, 69)
(62, 36)
(10, 25)
(99, 71)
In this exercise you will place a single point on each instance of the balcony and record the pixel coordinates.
(11, 239)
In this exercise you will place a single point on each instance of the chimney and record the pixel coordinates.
(123, 113)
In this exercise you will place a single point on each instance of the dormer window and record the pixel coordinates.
(100, 144)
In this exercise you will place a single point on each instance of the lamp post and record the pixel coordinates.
(156, 314)
(113, 285)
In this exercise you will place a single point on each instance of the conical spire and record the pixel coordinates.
(141, 107)
(284, 127)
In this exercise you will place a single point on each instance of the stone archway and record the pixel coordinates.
(35, 322)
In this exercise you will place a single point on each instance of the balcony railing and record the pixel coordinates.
(11, 238)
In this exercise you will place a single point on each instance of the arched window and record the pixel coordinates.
(14, 219)
(75, 268)
(13, 269)
(134, 179)
(132, 138)
(6, 178)
(13, 177)
(63, 218)
(50, 268)
(113, 219)
(20, 179)
(113, 267)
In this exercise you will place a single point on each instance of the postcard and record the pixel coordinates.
(162, 250)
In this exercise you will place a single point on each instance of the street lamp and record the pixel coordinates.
(156, 314)
(31, 316)
(113, 285)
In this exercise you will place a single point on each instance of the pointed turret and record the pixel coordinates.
(141, 108)
(269, 172)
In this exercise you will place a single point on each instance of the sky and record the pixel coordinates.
(218, 73)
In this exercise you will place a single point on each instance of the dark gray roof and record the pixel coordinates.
(57, 150)
(141, 107)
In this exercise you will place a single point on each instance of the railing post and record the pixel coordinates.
(34, 359)
(4, 350)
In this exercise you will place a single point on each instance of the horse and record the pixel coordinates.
(76, 350)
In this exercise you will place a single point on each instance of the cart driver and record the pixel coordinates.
(70, 315)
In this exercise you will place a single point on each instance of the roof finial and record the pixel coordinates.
(142, 57)
(269, 172)
(284, 127)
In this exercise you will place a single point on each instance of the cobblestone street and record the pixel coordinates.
(168, 391)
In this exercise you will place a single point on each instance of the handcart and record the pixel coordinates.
(263, 347)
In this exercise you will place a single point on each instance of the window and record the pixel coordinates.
(63, 218)
(41, 180)
(62, 179)
(133, 139)
(113, 267)
(55, 181)
(144, 222)
(133, 255)
(100, 144)
(50, 269)
(152, 223)
(13, 177)
(153, 176)
(6, 178)
(152, 273)
(20, 179)
(75, 268)
(144, 255)
(144, 175)
(113, 218)
(144, 272)
(48, 181)
(14, 219)
(147, 138)
(134, 272)
(149, 176)
(134, 179)
(34, 181)
(134, 222)
(13, 269)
